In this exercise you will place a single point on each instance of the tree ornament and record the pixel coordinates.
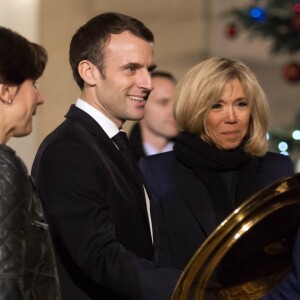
(296, 21)
(231, 31)
(296, 7)
(276, 20)
(291, 71)
(257, 14)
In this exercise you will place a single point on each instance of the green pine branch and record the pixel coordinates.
(277, 27)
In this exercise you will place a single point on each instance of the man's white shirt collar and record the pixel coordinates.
(107, 125)
(150, 150)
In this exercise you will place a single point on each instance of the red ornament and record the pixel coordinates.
(231, 31)
(296, 22)
(296, 7)
(291, 71)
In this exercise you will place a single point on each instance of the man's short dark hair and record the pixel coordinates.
(90, 39)
(164, 74)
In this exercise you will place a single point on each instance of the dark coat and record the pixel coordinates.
(289, 288)
(183, 206)
(27, 266)
(96, 207)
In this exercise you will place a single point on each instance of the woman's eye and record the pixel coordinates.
(216, 106)
(243, 103)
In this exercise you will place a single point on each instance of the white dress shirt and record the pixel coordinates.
(150, 150)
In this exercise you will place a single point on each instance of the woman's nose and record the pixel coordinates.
(230, 115)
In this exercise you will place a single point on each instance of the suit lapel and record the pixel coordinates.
(105, 144)
(196, 198)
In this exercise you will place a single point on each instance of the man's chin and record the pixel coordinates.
(137, 116)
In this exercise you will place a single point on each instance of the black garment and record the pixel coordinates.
(186, 213)
(121, 140)
(122, 143)
(27, 266)
(136, 142)
(97, 213)
(289, 287)
(224, 172)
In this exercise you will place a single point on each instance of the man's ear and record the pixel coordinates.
(88, 72)
(7, 92)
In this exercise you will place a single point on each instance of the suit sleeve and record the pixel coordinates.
(73, 190)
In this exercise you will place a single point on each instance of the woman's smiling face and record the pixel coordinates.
(227, 121)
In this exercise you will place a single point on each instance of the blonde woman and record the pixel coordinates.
(220, 157)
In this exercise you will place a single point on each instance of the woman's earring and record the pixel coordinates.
(8, 102)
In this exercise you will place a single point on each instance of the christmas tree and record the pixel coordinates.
(279, 22)
(287, 139)
(276, 20)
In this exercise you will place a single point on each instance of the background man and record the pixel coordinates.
(156, 132)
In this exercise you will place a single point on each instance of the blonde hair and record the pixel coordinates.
(203, 85)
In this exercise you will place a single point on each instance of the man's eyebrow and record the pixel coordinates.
(152, 68)
(132, 65)
(138, 66)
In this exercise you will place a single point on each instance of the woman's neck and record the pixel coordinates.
(4, 136)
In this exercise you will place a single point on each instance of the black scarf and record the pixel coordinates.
(209, 163)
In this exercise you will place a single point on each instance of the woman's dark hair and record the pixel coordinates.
(90, 39)
(20, 59)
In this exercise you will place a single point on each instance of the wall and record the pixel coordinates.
(174, 24)
(186, 31)
(12, 16)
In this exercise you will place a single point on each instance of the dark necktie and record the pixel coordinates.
(121, 140)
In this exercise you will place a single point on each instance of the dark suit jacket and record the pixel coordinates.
(184, 209)
(96, 208)
(135, 139)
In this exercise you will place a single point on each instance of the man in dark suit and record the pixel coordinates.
(95, 201)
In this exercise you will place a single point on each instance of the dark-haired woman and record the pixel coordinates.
(27, 267)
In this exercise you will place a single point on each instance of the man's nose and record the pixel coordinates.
(145, 80)
(40, 98)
